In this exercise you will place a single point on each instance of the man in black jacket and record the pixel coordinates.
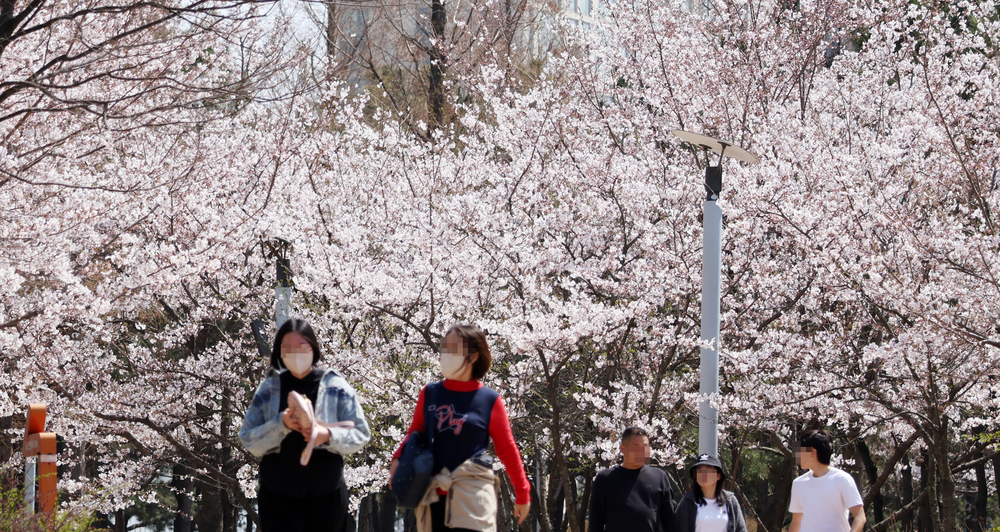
(632, 497)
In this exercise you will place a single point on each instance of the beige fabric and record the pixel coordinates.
(471, 501)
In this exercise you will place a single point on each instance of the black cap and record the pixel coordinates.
(707, 459)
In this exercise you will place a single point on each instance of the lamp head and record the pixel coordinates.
(722, 147)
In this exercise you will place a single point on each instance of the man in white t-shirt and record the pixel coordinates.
(823, 497)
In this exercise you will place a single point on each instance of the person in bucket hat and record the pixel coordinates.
(708, 507)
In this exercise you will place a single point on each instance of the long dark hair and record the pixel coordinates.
(294, 325)
(699, 497)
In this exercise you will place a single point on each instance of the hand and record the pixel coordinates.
(305, 430)
(521, 511)
(324, 435)
(300, 408)
(290, 420)
(392, 470)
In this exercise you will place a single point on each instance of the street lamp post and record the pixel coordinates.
(277, 249)
(283, 290)
(711, 289)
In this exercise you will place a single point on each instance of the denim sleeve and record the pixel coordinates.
(347, 441)
(260, 435)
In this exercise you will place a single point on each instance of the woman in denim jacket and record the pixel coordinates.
(294, 497)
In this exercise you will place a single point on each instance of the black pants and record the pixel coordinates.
(437, 518)
(279, 513)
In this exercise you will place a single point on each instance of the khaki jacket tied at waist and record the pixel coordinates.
(471, 501)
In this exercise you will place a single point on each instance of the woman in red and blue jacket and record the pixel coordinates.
(465, 415)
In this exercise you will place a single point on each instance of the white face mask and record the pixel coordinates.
(451, 365)
(297, 363)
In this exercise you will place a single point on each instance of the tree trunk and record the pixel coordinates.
(209, 516)
(365, 514)
(924, 515)
(996, 481)
(377, 513)
(557, 508)
(857, 468)
(933, 497)
(907, 489)
(588, 484)
(436, 82)
(878, 503)
(539, 505)
(982, 496)
(80, 470)
(228, 512)
(121, 521)
(387, 512)
(735, 458)
(181, 484)
(505, 505)
(409, 521)
(781, 478)
(6, 444)
(332, 22)
(101, 521)
(557, 449)
(903, 515)
(226, 459)
(949, 499)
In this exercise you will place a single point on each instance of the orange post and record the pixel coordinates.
(42, 444)
(36, 420)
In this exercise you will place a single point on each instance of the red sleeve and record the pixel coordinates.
(418, 423)
(507, 452)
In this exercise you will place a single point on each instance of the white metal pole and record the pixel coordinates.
(282, 294)
(30, 474)
(708, 425)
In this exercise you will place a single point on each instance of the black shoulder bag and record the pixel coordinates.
(416, 462)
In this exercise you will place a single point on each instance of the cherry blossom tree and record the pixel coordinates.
(557, 213)
(587, 184)
(134, 156)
